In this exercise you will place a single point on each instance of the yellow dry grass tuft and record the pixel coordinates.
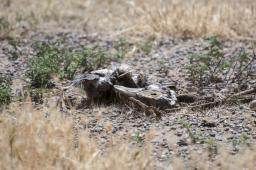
(29, 140)
(44, 139)
(228, 18)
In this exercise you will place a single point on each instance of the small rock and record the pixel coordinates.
(208, 123)
(252, 105)
(178, 133)
(182, 142)
(212, 134)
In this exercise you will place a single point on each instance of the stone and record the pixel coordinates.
(252, 105)
(208, 123)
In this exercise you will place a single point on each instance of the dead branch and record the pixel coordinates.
(147, 109)
(209, 105)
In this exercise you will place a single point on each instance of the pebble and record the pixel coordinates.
(178, 133)
(252, 105)
(182, 142)
(208, 123)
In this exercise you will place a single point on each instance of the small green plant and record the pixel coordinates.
(211, 147)
(121, 46)
(5, 90)
(242, 64)
(54, 59)
(70, 64)
(138, 137)
(211, 66)
(42, 66)
(36, 95)
(145, 46)
(194, 136)
(163, 66)
(93, 58)
(245, 139)
(16, 52)
(5, 95)
(4, 24)
(208, 66)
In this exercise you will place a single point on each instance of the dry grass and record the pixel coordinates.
(228, 18)
(30, 140)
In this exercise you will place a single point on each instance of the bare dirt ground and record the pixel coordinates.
(226, 126)
(155, 38)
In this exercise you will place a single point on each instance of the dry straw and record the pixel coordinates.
(228, 18)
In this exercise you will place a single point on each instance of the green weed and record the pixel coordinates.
(16, 52)
(211, 66)
(207, 66)
(36, 95)
(122, 46)
(53, 59)
(43, 65)
(138, 137)
(5, 90)
(93, 58)
(4, 24)
(164, 66)
(244, 140)
(145, 46)
(196, 137)
(212, 147)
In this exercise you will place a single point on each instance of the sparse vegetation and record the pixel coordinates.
(93, 58)
(195, 136)
(5, 90)
(4, 24)
(138, 137)
(227, 18)
(5, 94)
(31, 141)
(145, 46)
(45, 45)
(43, 65)
(243, 140)
(122, 46)
(4, 27)
(211, 66)
(53, 60)
(15, 53)
(37, 95)
(212, 147)
(164, 66)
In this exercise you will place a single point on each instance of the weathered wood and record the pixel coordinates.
(98, 89)
(122, 84)
(149, 97)
(145, 108)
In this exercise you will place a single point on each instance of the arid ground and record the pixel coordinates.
(201, 49)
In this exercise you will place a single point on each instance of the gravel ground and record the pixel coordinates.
(227, 126)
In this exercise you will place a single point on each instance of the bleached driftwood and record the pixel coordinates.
(153, 98)
(122, 84)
